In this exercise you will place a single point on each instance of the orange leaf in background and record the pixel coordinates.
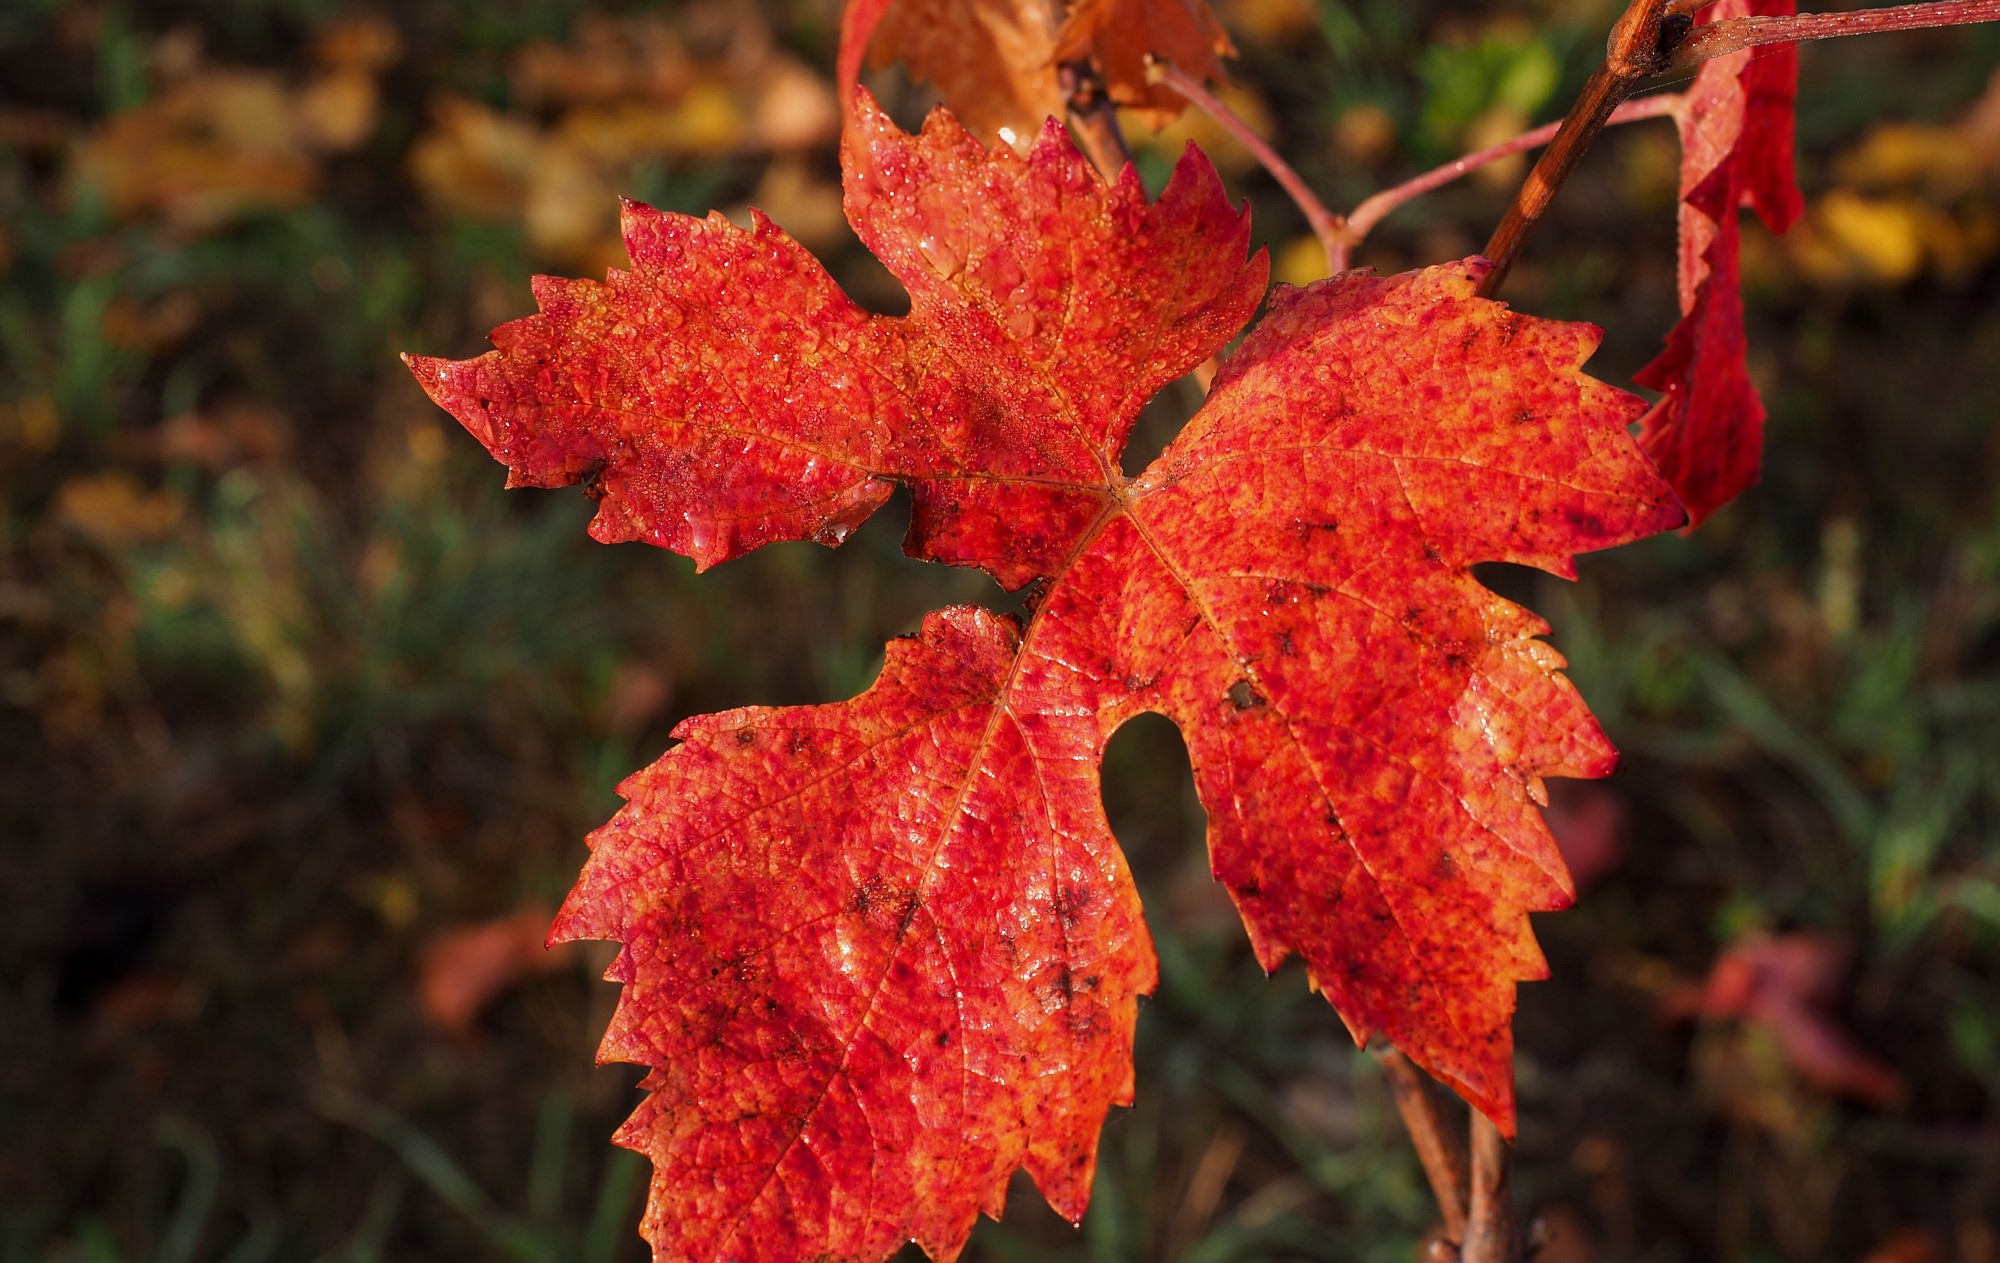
(464, 970)
(881, 953)
(627, 91)
(217, 143)
(995, 62)
(1707, 433)
(1119, 35)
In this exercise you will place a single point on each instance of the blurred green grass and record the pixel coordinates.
(290, 687)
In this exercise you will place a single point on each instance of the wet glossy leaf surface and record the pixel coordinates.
(882, 952)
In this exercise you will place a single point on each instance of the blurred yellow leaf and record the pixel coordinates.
(805, 204)
(337, 112)
(608, 61)
(475, 162)
(220, 436)
(1915, 199)
(1301, 261)
(1501, 121)
(217, 143)
(794, 108)
(30, 424)
(203, 153)
(1270, 21)
(1365, 133)
(1848, 238)
(1907, 155)
(625, 92)
(114, 511)
(361, 43)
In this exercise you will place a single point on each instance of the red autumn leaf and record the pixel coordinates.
(465, 969)
(1707, 433)
(1788, 985)
(882, 952)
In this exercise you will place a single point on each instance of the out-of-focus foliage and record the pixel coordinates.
(291, 692)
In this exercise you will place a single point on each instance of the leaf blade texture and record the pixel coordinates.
(881, 953)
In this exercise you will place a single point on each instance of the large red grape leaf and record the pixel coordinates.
(1707, 433)
(882, 952)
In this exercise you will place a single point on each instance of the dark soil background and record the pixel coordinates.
(304, 719)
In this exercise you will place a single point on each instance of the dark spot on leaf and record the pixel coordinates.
(1243, 697)
(746, 736)
(866, 896)
(1031, 596)
(1071, 903)
(589, 479)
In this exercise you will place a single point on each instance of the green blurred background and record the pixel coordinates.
(305, 719)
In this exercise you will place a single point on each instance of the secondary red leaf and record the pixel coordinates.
(1707, 433)
(465, 969)
(882, 952)
(1789, 985)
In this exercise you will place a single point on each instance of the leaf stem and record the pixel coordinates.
(1638, 48)
(1439, 1148)
(1371, 212)
(1731, 35)
(1489, 1229)
(1331, 229)
(1093, 118)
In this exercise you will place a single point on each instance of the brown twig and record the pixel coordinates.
(1330, 228)
(1731, 35)
(1489, 1227)
(1639, 48)
(1657, 37)
(1439, 1146)
(1371, 212)
(1093, 119)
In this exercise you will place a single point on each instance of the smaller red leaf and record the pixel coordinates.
(465, 969)
(1788, 985)
(1707, 433)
